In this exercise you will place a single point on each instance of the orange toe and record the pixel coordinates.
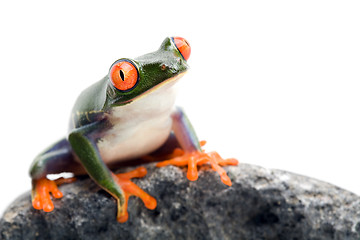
(123, 218)
(192, 173)
(123, 214)
(36, 203)
(48, 206)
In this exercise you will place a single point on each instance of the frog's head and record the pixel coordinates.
(130, 79)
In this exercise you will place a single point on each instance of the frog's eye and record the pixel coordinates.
(183, 46)
(124, 75)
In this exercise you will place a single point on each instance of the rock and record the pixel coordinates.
(261, 204)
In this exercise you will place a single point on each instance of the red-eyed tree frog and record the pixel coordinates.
(128, 114)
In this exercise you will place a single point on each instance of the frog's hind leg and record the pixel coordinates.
(57, 158)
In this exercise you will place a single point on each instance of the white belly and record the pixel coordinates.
(139, 127)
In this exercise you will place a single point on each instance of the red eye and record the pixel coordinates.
(123, 75)
(183, 46)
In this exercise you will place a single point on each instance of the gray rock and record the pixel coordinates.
(261, 204)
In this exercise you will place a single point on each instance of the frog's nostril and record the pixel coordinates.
(183, 46)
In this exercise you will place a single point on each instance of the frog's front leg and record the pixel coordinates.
(83, 142)
(193, 155)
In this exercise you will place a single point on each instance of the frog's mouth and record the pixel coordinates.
(163, 86)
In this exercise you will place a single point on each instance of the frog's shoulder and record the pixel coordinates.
(90, 106)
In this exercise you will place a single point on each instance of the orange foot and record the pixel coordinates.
(130, 188)
(41, 192)
(197, 158)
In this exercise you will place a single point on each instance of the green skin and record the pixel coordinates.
(90, 122)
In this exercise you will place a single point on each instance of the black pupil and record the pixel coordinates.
(122, 75)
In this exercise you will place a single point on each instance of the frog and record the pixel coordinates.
(129, 114)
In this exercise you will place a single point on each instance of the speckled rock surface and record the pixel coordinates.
(261, 204)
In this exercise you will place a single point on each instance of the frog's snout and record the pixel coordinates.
(183, 46)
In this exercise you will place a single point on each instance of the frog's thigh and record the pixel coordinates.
(57, 158)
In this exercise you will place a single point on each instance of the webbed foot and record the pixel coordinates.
(198, 158)
(131, 189)
(41, 192)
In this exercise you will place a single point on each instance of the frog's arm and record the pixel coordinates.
(193, 155)
(85, 148)
(83, 142)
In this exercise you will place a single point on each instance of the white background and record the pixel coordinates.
(272, 83)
